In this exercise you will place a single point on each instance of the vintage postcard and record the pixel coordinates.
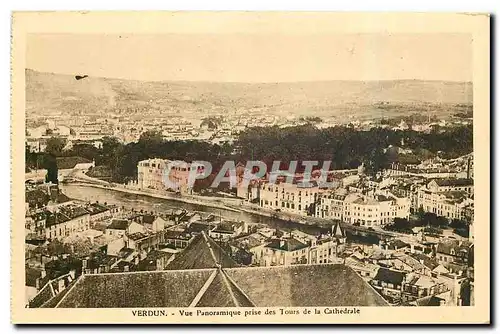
(250, 167)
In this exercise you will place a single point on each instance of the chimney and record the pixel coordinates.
(60, 284)
(125, 269)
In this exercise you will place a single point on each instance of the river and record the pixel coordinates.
(158, 205)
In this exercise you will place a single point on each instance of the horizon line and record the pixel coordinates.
(256, 82)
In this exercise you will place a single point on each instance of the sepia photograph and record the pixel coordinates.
(281, 171)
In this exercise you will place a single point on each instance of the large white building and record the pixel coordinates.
(449, 198)
(367, 210)
(289, 197)
(151, 174)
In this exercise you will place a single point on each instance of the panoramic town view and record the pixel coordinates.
(313, 181)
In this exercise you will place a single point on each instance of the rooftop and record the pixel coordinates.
(119, 224)
(304, 285)
(288, 245)
(202, 252)
(454, 182)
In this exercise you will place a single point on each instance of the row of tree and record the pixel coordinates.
(433, 224)
(343, 146)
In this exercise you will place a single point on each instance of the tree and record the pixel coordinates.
(49, 162)
(55, 146)
(151, 136)
(459, 224)
(86, 151)
(420, 213)
(401, 223)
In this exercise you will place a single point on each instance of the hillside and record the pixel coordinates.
(54, 93)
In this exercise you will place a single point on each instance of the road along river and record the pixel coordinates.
(160, 205)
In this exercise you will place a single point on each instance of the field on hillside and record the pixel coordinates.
(48, 93)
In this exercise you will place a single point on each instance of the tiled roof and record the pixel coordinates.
(429, 301)
(289, 245)
(389, 276)
(32, 274)
(96, 208)
(305, 285)
(458, 247)
(202, 252)
(174, 288)
(119, 224)
(55, 219)
(427, 261)
(148, 219)
(454, 182)
(338, 230)
(223, 293)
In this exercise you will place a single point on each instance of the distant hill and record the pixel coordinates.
(48, 92)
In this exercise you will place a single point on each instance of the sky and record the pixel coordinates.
(255, 57)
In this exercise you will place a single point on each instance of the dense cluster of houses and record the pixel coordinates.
(66, 239)
(432, 271)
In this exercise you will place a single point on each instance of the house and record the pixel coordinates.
(388, 283)
(448, 198)
(228, 230)
(155, 260)
(450, 251)
(35, 279)
(52, 292)
(430, 266)
(119, 227)
(159, 224)
(178, 239)
(253, 244)
(418, 286)
(145, 242)
(327, 249)
(364, 269)
(66, 221)
(294, 198)
(100, 212)
(114, 246)
(374, 210)
(395, 245)
(285, 252)
(35, 222)
(98, 262)
(144, 219)
(162, 174)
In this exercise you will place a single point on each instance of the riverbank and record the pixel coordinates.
(230, 204)
(236, 206)
(172, 197)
